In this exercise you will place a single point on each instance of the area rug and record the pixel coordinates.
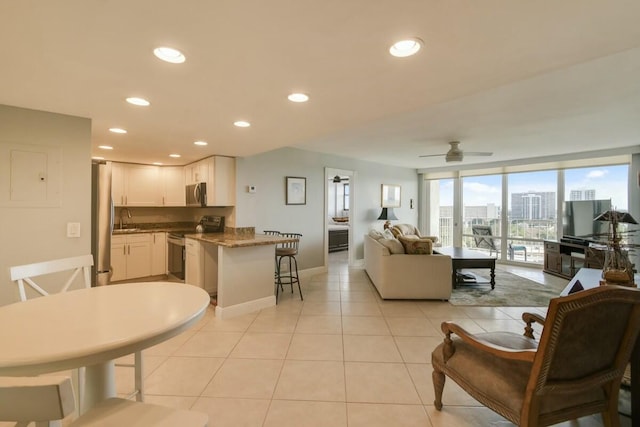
(510, 290)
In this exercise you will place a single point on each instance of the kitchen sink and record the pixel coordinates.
(125, 230)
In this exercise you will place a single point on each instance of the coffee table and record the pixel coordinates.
(467, 258)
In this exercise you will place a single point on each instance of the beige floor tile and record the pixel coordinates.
(417, 349)
(287, 413)
(168, 347)
(319, 325)
(315, 347)
(275, 322)
(510, 325)
(262, 346)
(364, 325)
(177, 402)
(385, 415)
(235, 324)
(442, 310)
(355, 286)
(209, 344)
(413, 326)
(370, 348)
(353, 308)
(287, 303)
(311, 380)
(125, 376)
(485, 313)
(401, 309)
(321, 308)
(245, 378)
(182, 376)
(321, 295)
(358, 296)
(379, 383)
(225, 412)
(460, 416)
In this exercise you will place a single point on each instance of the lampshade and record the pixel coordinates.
(387, 214)
(337, 179)
(621, 217)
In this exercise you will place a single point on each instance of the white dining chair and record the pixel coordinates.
(24, 276)
(47, 400)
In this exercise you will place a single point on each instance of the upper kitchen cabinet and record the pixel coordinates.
(135, 185)
(174, 182)
(221, 181)
(196, 172)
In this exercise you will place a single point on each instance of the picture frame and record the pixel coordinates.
(390, 196)
(296, 190)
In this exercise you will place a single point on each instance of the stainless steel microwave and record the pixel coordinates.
(197, 194)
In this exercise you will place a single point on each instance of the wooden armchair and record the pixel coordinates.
(573, 371)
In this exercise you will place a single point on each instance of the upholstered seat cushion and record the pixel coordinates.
(286, 251)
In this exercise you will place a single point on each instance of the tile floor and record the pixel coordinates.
(341, 357)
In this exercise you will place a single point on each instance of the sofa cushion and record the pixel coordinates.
(415, 246)
(375, 234)
(394, 245)
(387, 234)
(404, 230)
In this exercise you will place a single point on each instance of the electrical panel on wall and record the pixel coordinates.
(29, 175)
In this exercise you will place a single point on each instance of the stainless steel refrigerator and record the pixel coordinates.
(102, 222)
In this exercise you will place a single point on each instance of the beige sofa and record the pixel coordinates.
(403, 276)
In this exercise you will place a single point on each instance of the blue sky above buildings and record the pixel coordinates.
(609, 182)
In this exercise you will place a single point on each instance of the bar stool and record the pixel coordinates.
(288, 250)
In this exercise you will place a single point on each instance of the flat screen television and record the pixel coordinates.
(578, 223)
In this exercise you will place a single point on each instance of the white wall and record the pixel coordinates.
(39, 234)
(266, 209)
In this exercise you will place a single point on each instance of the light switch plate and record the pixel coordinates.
(73, 229)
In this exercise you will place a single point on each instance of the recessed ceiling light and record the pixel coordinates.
(97, 158)
(406, 47)
(169, 54)
(174, 155)
(138, 101)
(157, 163)
(200, 143)
(105, 147)
(117, 130)
(242, 124)
(298, 97)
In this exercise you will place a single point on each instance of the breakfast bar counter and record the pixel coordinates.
(237, 268)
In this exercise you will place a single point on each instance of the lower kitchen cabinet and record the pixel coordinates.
(131, 256)
(158, 254)
(201, 266)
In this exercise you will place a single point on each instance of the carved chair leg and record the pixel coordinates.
(438, 387)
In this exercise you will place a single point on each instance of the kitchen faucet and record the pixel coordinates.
(128, 215)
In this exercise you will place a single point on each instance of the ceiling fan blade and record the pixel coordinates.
(477, 153)
(432, 155)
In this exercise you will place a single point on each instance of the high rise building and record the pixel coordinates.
(533, 205)
(582, 194)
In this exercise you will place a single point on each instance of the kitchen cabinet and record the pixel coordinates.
(196, 172)
(131, 256)
(135, 185)
(221, 181)
(158, 254)
(201, 266)
(173, 186)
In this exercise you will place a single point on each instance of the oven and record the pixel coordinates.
(176, 255)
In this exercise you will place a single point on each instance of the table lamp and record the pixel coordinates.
(387, 215)
(617, 269)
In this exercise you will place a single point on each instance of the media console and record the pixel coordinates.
(566, 257)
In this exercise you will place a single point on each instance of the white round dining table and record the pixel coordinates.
(92, 327)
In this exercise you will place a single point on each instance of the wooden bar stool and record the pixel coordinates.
(289, 251)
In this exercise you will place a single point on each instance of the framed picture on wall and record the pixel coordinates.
(296, 190)
(390, 196)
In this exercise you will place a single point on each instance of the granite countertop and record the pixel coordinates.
(238, 241)
(155, 228)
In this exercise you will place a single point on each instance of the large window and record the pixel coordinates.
(482, 206)
(444, 199)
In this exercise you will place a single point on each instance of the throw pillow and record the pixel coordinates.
(375, 234)
(394, 246)
(387, 234)
(417, 246)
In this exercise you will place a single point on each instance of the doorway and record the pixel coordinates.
(339, 202)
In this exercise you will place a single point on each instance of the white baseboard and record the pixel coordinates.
(245, 307)
(305, 274)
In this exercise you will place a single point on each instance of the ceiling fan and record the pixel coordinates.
(455, 154)
(338, 179)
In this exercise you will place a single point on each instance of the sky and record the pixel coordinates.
(610, 182)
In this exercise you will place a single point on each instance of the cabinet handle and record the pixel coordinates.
(162, 204)
(124, 250)
(129, 246)
(122, 200)
(125, 200)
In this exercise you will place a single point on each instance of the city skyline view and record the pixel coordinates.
(609, 182)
